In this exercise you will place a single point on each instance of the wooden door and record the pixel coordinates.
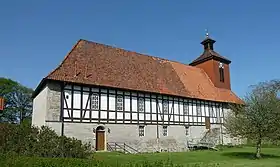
(100, 140)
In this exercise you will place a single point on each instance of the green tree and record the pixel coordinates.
(18, 101)
(258, 119)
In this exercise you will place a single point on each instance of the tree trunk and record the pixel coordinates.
(258, 152)
(20, 116)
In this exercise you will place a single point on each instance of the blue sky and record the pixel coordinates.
(36, 35)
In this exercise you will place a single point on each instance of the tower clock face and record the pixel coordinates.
(221, 65)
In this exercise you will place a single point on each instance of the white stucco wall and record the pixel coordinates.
(40, 108)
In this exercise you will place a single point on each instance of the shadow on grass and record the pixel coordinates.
(248, 155)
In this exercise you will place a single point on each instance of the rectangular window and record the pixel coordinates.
(95, 101)
(187, 130)
(119, 103)
(165, 106)
(221, 71)
(141, 131)
(164, 130)
(141, 104)
(222, 79)
(185, 109)
(198, 110)
(211, 112)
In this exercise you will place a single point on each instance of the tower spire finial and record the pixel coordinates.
(208, 42)
(206, 33)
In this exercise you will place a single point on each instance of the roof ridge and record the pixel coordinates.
(214, 53)
(142, 54)
(207, 77)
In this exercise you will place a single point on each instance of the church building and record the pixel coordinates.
(113, 98)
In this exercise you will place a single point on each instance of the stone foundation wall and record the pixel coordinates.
(176, 141)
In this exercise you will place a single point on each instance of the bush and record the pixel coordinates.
(43, 142)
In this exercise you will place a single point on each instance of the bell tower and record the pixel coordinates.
(215, 65)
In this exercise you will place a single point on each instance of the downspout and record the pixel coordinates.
(158, 148)
(61, 109)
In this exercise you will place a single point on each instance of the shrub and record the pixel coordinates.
(43, 142)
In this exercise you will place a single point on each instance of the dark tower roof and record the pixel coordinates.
(209, 53)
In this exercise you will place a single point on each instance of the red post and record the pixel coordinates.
(1, 103)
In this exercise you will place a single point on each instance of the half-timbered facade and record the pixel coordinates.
(102, 95)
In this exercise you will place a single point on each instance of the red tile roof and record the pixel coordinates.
(98, 64)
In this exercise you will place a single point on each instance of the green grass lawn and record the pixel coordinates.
(224, 158)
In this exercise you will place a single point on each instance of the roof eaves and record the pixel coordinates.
(198, 61)
(39, 88)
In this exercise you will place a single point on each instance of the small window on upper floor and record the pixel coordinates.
(165, 106)
(141, 104)
(212, 112)
(198, 110)
(94, 101)
(185, 109)
(119, 103)
(221, 72)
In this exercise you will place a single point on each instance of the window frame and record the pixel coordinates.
(141, 107)
(198, 110)
(221, 72)
(94, 101)
(119, 103)
(141, 130)
(164, 106)
(185, 108)
(186, 130)
(164, 130)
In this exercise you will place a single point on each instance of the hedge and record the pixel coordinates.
(42, 142)
(16, 161)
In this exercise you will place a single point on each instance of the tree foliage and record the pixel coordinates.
(258, 119)
(43, 142)
(18, 101)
